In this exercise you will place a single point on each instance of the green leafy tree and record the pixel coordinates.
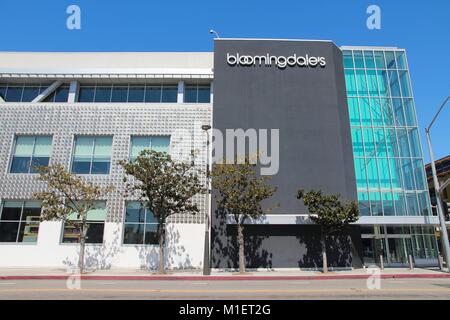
(330, 214)
(68, 195)
(165, 186)
(240, 193)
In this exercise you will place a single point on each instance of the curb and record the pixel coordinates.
(227, 278)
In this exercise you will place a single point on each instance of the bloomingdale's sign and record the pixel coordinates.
(280, 61)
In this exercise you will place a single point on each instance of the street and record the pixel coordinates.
(432, 289)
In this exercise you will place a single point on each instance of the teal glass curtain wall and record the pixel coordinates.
(390, 174)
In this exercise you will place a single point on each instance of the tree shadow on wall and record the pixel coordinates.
(225, 252)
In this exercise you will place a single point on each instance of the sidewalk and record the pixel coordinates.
(289, 274)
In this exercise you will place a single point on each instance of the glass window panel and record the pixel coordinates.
(84, 146)
(161, 144)
(24, 146)
(390, 60)
(408, 174)
(3, 92)
(391, 143)
(401, 60)
(151, 236)
(38, 162)
(368, 59)
(20, 164)
(394, 84)
(380, 142)
(375, 204)
(350, 82)
(404, 83)
(414, 141)
(372, 82)
(361, 82)
(396, 173)
(28, 232)
(86, 94)
(369, 143)
(139, 144)
(359, 62)
(135, 213)
(409, 112)
(11, 210)
(133, 234)
(398, 111)
(8, 231)
(379, 60)
(364, 204)
(386, 110)
(411, 202)
(348, 59)
(119, 94)
(62, 94)
(103, 94)
(377, 118)
(353, 109)
(103, 148)
(388, 203)
(358, 150)
(400, 204)
(403, 142)
(361, 173)
(204, 94)
(169, 93)
(136, 94)
(94, 233)
(50, 97)
(30, 93)
(383, 167)
(383, 83)
(372, 173)
(419, 174)
(98, 213)
(43, 147)
(153, 93)
(425, 208)
(14, 94)
(149, 217)
(100, 167)
(190, 93)
(364, 108)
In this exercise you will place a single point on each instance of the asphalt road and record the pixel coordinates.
(269, 289)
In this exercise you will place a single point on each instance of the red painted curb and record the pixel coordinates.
(230, 278)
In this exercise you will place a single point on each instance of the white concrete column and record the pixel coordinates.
(212, 93)
(73, 91)
(180, 97)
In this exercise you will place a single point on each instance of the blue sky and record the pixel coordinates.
(421, 27)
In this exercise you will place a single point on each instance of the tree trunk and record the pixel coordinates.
(324, 253)
(83, 232)
(161, 248)
(241, 248)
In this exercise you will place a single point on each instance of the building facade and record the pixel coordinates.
(344, 117)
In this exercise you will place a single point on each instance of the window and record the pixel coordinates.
(140, 225)
(92, 155)
(13, 92)
(96, 225)
(59, 95)
(19, 221)
(140, 143)
(30, 152)
(197, 93)
(150, 93)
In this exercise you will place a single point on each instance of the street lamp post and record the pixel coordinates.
(437, 188)
(206, 254)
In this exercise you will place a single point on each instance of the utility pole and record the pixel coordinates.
(437, 188)
(206, 255)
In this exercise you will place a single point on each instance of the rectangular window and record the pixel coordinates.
(348, 60)
(390, 60)
(361, 173)
(363, 203)
(119, 93)
(350, 82)
(379, 60)
(195, 93)
(361, 82)
(359, 62)
(140, 225)
(19, 221)
(30, 152)
(92, 155)
(401, 60)
(103, 94)
(96, 225)
(86, 94)
(409, 112)
(136, 93)
(169, 93)
(141, 143)
(353, 110)
(368, 59)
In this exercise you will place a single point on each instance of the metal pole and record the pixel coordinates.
(206, 262)
(439, 207)
(411, 262)
(381, 262)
